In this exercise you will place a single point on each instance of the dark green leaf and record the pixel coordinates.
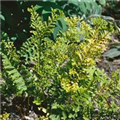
(112, 53)
(102, 2)
(2, 20)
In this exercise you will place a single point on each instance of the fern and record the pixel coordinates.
(14, 82)
(42, 28)
(63, 72)
(30, 50)
(17, 78)
(67, 72)
(13, 74)
(29, 78)
(16, 70)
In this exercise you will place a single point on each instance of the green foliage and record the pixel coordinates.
(62, 74)
(4, 36)
(112, 6)
(17, 76)
(4, 116)
(14, 15)
(113, 52)
(15, 18)
(102, 2)
(11, 75)
(68, 82)
(82, 7)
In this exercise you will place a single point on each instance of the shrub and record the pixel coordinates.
(63, 78)
(68, 83)
(14, 15)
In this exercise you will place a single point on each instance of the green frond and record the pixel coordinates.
(29, 78)
(8, 48)
(42, 28)
(13, 74)
(29, 51)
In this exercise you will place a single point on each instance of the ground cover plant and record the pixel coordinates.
(61, 75)
(15, 18)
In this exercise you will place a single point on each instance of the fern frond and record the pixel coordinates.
(13, 74)
(29, 77)
(43, 29)
(8, 48)
(29, 50)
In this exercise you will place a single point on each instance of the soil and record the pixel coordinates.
(108, 64)
(19, 108)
